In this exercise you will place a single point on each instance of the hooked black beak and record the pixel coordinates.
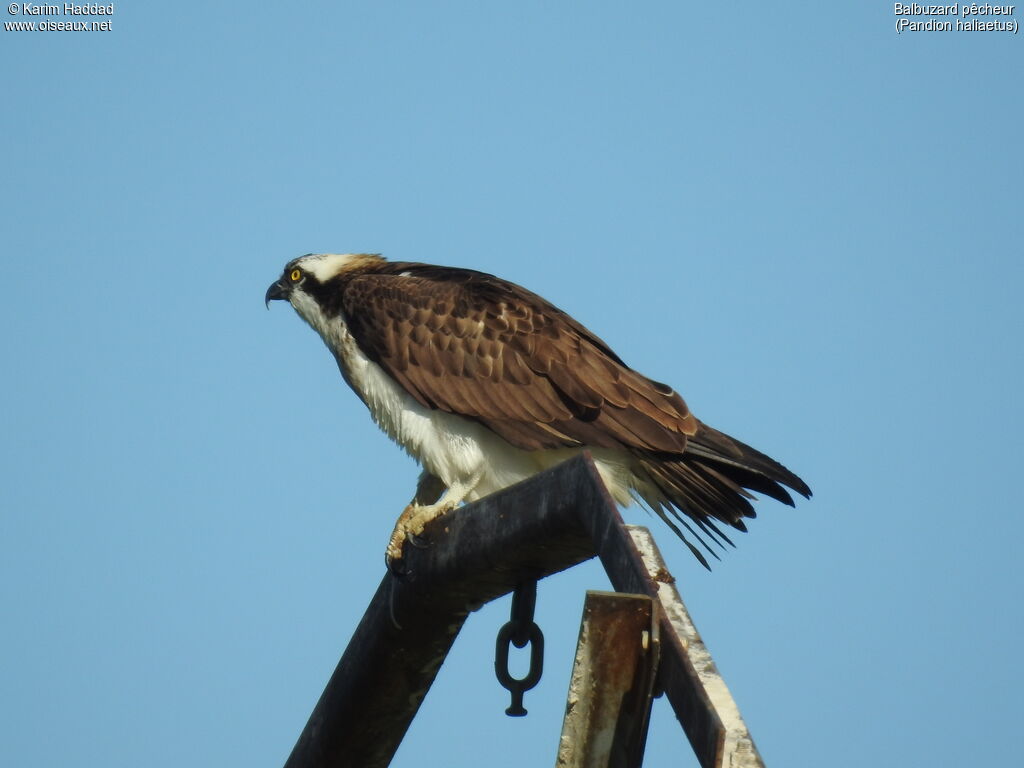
(277, 290)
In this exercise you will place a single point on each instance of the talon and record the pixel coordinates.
(396, 565)
(410, 525)
(393, 554)
(420, 542)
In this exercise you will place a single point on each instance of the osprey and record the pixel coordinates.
(485, 383)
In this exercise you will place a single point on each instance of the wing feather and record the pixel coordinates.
(471, 344)
(489, 350)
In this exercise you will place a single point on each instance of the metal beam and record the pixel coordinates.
(609, 701)
(478, 553)
(687, 673)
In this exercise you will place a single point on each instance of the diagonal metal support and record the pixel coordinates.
(478, 553)
(687, 673)
(610, 692)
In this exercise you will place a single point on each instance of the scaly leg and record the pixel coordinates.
(424, 507)
(428, 491)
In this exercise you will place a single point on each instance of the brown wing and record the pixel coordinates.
(471, 344)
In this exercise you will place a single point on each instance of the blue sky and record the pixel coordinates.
(808, 224)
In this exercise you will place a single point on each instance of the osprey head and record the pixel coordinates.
(303, 276)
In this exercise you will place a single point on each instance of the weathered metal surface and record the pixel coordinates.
(476, 554)
(609, 701)
(688, 674)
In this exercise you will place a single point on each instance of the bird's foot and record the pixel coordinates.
(409, 527)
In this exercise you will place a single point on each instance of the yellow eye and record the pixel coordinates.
(295, 275)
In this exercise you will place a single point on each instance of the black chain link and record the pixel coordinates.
(520, 631)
